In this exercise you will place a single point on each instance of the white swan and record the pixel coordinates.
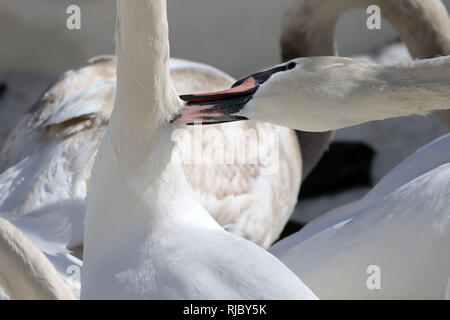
(146, 235)
(323, 93)
(309, 30)
(25, 273)
(403, 225)
(45, 162)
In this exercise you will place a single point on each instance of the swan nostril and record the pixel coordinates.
(291, 65)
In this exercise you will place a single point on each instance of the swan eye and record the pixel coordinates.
(291, 65)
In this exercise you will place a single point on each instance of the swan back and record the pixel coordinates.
(401, 227)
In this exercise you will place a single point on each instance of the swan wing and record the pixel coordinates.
(401, 227)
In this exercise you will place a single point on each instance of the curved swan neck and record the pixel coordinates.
(422, 25)
(309, 25)
(309, 30)
(24, 271)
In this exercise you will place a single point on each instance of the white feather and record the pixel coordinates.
(402, 226)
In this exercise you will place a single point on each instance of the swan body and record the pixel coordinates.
(401, 226)
(157, 241)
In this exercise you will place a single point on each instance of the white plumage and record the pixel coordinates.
(401, 226)
(25, 273)
(46, 161)
(146, 236)
(55, 143)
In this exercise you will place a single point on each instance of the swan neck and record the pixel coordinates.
(144, 90)
(137, 188)
(421, 24)
(377, 92)
(25, 272)
(309, 26)
(413, 88)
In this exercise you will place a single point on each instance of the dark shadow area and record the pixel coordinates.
(346, 165)
(290, 228)
(3, 88)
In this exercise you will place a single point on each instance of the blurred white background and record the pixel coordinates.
(238, 36)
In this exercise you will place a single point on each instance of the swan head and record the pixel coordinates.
(227, 105)
(301, 94)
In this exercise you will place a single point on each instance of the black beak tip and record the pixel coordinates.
(187, 97)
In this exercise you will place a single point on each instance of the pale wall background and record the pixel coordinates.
(238, 36)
